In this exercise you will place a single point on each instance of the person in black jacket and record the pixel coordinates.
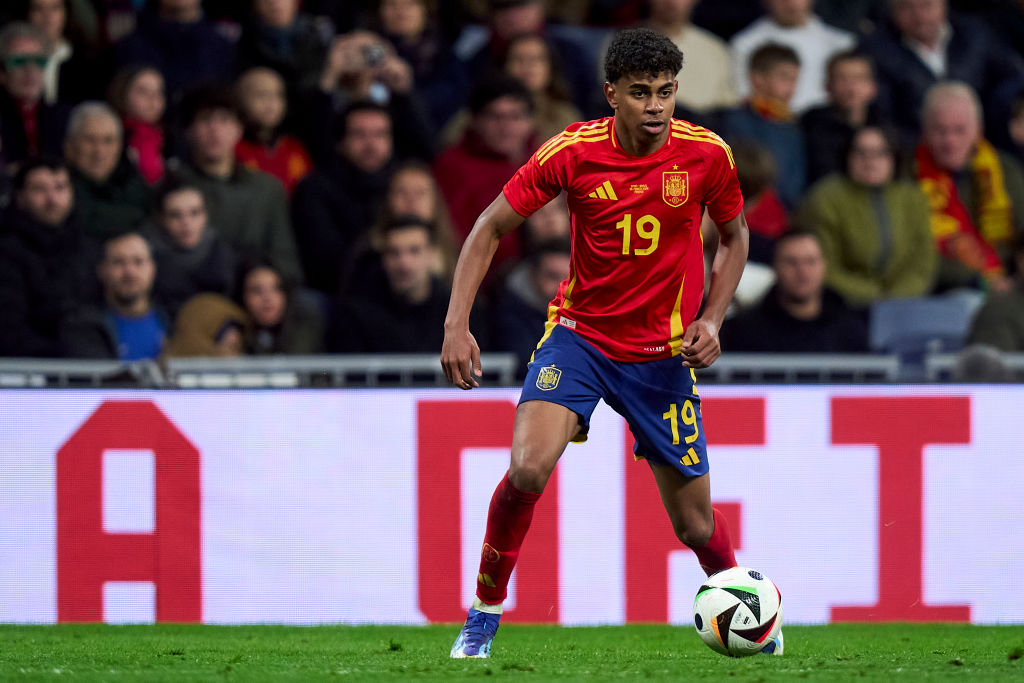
(521, 308)
(28, 125)
(44, 261)
(407, 315)
(190, 256)
(799, 314)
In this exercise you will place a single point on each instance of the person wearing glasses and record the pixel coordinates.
(28, 125)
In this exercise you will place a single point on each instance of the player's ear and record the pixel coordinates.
(611, 95)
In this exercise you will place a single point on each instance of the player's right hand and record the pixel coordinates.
(460, 358)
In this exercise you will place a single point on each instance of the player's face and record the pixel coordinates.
(643, 103)
(799, 268)
(950, 132)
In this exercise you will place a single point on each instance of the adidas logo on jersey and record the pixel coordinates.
(604, 191)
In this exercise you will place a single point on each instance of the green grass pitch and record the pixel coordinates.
(889, 652)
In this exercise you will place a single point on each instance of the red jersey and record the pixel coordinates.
(636, 275)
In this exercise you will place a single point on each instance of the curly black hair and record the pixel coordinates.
(641, 51)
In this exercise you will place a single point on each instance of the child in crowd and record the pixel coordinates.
(265, 147)
(766, 117)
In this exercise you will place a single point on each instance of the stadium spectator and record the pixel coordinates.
(925, 43)
(414, 192)
(406, 316)
(508, 19)
(363, 66)
(532, 60)
(190, 256)
(874, 228)
(766, 217)
(249, 208)
(175, 37)
(208, 325)
(550, 221)
(499, 139)
(851, 104)
(128, 326)
(440, 79)
(799, 314)
(281, 319)
(1015, 127)
(766, 117)
(521, 306)
(28, 124)
(137, 94)
(73, 72)
(336, 204)
(264, 145)
(44, 261)
(707, 81)
(976, 192)
(791, 23)
(293, 43)
(1000, 321)
(111, 197)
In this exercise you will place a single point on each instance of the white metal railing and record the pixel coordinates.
(422, 370)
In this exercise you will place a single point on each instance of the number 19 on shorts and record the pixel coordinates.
(688, 415)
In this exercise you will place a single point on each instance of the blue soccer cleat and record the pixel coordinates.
(475, 638)
(775, 647)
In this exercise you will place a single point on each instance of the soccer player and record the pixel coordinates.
(624, 325)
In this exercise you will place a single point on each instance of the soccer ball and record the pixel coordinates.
(737, 612)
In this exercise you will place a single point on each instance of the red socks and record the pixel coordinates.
(508, 519)
(718, 553)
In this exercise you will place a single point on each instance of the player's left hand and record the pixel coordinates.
(700, 344)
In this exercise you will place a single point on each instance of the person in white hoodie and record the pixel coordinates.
(792, 23)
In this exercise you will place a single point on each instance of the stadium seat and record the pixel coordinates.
(913, 326)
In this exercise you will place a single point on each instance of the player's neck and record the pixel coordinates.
(637, 144)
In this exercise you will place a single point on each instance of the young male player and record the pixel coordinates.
(623, 326)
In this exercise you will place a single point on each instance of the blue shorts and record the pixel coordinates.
(658, 398)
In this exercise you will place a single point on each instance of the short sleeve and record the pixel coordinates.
(536, 183)
(723, 198)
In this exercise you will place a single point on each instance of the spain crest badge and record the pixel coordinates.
(548, 378)
(675, 187)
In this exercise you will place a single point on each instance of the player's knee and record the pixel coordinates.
(529, 476)
(694, 533)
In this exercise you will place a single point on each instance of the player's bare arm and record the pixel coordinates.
(460, 354)
(700, 340)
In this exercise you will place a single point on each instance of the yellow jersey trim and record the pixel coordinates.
(586, 134)
(549, 326)
(585, 130)
(675, 322)
(713, 141)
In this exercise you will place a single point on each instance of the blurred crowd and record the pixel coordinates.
(231, 177)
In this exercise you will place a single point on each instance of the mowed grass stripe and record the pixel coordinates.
(888, 652)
